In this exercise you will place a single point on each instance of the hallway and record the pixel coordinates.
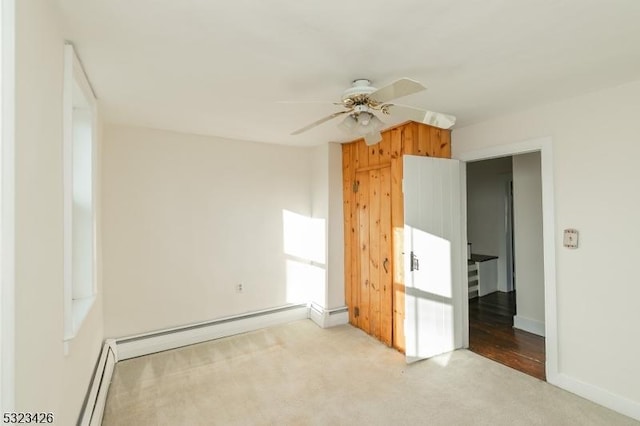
(491, 334)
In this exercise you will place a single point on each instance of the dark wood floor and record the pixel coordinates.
(491, 334)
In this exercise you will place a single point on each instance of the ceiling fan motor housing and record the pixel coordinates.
(360, 86)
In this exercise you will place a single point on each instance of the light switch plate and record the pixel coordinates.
(571, 238)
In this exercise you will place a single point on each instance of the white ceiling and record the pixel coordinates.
(221, 67)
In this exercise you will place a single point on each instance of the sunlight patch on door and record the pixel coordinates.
(428, 293)
(434, 261)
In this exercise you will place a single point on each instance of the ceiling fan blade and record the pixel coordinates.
(308, 102)
(435, 119)
(397, 89)
(372, 138)
(322, 120)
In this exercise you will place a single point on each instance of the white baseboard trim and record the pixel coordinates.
(527, 324)
(93, 409)
(326, 318)
(145, 344)
(598, 395)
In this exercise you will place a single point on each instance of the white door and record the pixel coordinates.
(435, 261)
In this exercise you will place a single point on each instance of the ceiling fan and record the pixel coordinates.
(361, 100)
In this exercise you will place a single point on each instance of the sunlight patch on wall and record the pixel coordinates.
(304, 237)
(305, 282)
(305, 249)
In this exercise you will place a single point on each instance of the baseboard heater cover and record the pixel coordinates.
(145, 344)
(93, 408)
(326, 318)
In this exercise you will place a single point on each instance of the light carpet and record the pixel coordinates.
(300, 374)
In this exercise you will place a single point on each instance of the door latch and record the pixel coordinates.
(415, 265)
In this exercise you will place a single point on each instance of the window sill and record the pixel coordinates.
(80, 308)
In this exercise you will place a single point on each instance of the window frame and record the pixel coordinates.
(7, 205)
(76, 310)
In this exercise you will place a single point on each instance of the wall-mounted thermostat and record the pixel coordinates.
(571, 238)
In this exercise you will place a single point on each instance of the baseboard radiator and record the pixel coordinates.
(148, 343)
(115, 350)
(326, 318)
(93, 408)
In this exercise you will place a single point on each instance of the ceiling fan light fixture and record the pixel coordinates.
(364, 118)
(349, 124)
(372, 138)
(376, 123)
(360, 124)
(369, 124)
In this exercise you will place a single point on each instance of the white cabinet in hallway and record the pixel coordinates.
(483, 275)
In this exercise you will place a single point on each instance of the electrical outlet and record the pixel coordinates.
(571, 238)
(239, 288)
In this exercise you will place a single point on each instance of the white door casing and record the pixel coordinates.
(545, 146)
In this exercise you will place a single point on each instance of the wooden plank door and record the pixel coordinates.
(434, 256)
(373, 299)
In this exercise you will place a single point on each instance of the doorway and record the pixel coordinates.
(501, 307)
(493, 305)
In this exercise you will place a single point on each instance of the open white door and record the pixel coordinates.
(434, 256)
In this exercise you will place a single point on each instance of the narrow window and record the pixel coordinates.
(79, 194)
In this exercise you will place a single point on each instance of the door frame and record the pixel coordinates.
(7, 206)
(545, 147)
(507, 236)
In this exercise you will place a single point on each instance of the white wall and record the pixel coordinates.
(335, 238)
(486, 188)
(188, 217)
(326, 195)
(596, 145)
(527, 230)
(46, 378)
(320, 211)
